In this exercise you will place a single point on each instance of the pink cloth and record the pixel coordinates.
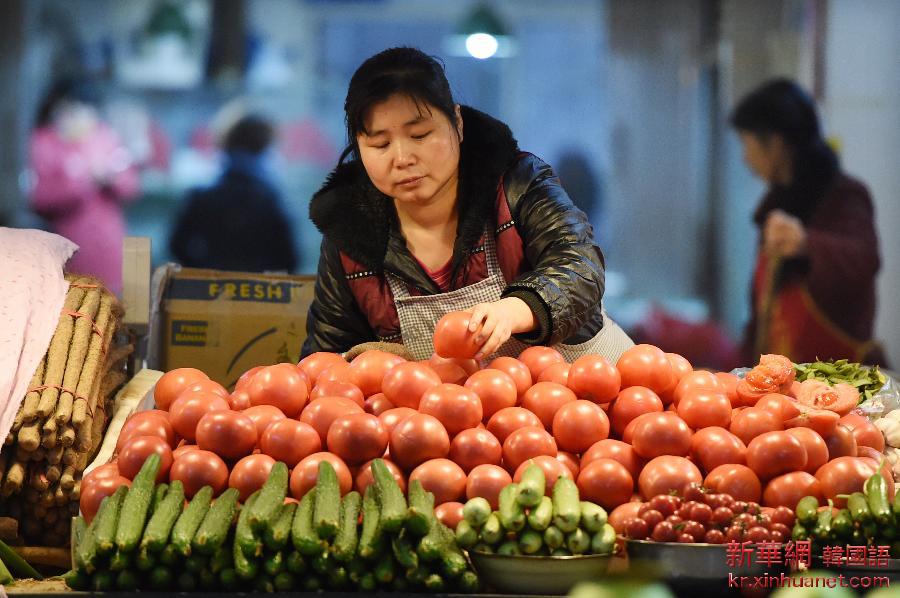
(67, 193)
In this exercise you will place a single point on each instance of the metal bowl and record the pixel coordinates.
(689, 562)
(554, 575)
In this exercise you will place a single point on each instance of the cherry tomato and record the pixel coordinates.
(631, 403)
(774, 453)
(417, 439)
(786, 490)
(197, 469)
(558, 373)
(305, 474)
(844, 475)
(146, 423)
(456, 407)
(694, 381)
(666, 474)
(553, 470)
(657, 434)
(316, 363)
(337, 388)
(616, 450)
(578, 425)
(537, 359)
(93, 494)
(229, 434)
(570, 461)
(357, 438)
(187, 410)
(664, 531)
(526, 443)
(509, 419)
(701, 512)
(170, 385)
(864, 431)
(377, 404)
(545, 398)
(365, 478)
(783, 516)
(621, 514)
(136, 451)
(749, 423)
(516, 370)
(474, 447)
(714, 446)
(282, 385)
(636, 528)
(704, 408)
(496, 389)
(442, 477)
(606, 483)
(263, 416)
(368, 369)
(391, 417)
(646, 365)
(449, 513)
(738, 481)
(729, 383)
(841, 442)
(487, 481)
(290, 441)
(321, 413)
(405, 383)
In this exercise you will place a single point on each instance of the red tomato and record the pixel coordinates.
(474, 447)
(738, 481)
(246, 377)
(282, 385)
(316, 363)
(553, 470)
(605, 482)
(749, 423)
(657, 434)
(93, 494)
(507, 420)
(206, 386)
(844, 475)
(454, 406)
(702, 408)
(820, 420)
(469, 366)
(392, 417)
(496, 389)
(714, 446)
(616, 450)
(840, 398)
(449, 373)
(321, 413)
(250, 473)
(239, 400)
(646, 365)
(449, 513)
(841, 443)
(229, 434)
(357, 438)
(680, 365)
(537, 359)
(183, 449)
(305, 474)
(377, 404)
(774, 453)
(779, 404)
(816, 449)
(693, 381)
(558, 372)
(452, 337)
(665, 474)
(107, 470)
(545, 398)
(622, 514)
(170, 385)
(187, 410)
(526, 443)
(136, 451)
(146, 423)
(339, 372)
(594, 378)
(369, 368)
(336, 388)
(578, 425)
(290, 441)
(729, 383)
(263, 416)
(632, 402)
(787, 490)
(516, 370)
(405, 383)
(487, 481)
(864, 431)
(571, 462)
(365, 478)
(417, 439)
(443, 478)
(197, 469)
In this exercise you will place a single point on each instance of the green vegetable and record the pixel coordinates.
(186, 582)
(264, 584)
(196, 563)
(327, 511)
(509, 548)
(295, 563)
(87, 548)
(6, 577)
(79, 529)
(244, 567)
(190, 519)
(468, 583)
(541, 516)
(158, 495)
(107, 521)
(223, 559)
(799, 532)
(466, 536)
(170, 557)
(531, 486)
(822, 530)
(321, 563)
(271, 498)
(403, 551)
(530, 541)
(593, 517)
(278, 534)
(144, 561)
(579, 541)
(553, 537)
(104, 581)
(159, 528)
(492, 531)
(348, 535)
(228, 578)
(367, 582)
(859, 507)
(212, 532)
(384, 569)
(304, 536)
(370, 536)
(119, 561)
(15, 562)
(807, 510)
(452, 560)
(77, 579)
(161, 578)
(208, 580)
(604, 541)
(566, 505)
(136, 504)
(274, 564)
(476, 511)
(867, 380)
(877, 496)
(127, 581)
(842, 526)
(421, 509)
(338, 578)
(512, 516)
(393, 503)
(434, 583)
(285, 582)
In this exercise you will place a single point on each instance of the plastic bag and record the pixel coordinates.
(882, 402)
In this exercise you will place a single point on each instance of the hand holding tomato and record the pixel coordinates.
(493, 323)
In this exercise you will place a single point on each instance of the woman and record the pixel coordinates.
(437, 211)
(813, 290)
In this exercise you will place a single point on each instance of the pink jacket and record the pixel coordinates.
(77, 206)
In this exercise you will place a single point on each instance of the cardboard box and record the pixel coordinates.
(225, 323)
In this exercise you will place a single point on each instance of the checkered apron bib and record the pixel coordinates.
(419, 315)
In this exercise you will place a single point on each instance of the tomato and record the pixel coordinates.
(183, 448)
(680, 365)
(558, 372)
(737, 481)
(631, 403)
(239, 400)
(305, 474)
(605, 482)
(545, 398)
(507, 420)
(263, 416)
(316, 363)
(657, 434)
(93, 494)
(338, 372)
(197, 469)
(417, 439)
(405, 383)
(449, 373)
(442, 477)
(320, 413)
(229, 434)
(107, 470)
(516, 370)
(136, 451)
(474, 447)
(526, 443)
(487, 481)
(667, 473)
(594, 378)
(496, 389)
(714, 446)
(454, 406)
(170, 385)
(552, 467)
(748, 395)
(616, 450)
(249, 474)
(646, 365)
(779, 404)
(336, 388)
(377, 404)
(820, 420)
(206, 386)
(537, 359)
(392, 417)
(749, 423)
(290, 441)
(841, 398)
(367, 370)
(844, 475)
(816, 449)
(621, 514)
(357, 438)
(841, 442)
(449, 513)
(864, 431)
(365, 478)
(452, 337)
(146, 423)
(282, 385)
(729, 383)
(787, 490)
(696, 380)
(245, 378)
(578, 425)
(701, 408)
(187, 410)
(571, 462)
(774, 453)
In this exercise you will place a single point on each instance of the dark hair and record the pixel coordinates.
(406, 71)
(66, 90)
(251, 133)
(781, 107)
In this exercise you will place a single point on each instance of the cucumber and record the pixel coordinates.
(190, 519)
(295, 563)
(274, 564)
(509, 548)
(403, 551)
(554, 538)
(532, 486)
(163, 519)
(278, 534)
(223, 559)
(244, 568)
(466, 536)
(393, 503)
(468, 583)
(271, 498)
(6, 577)
(566, 506)
(434, 583)
(169, 556)
(228, 578)
(327, 511)
(107, 521)
(212, 532)
(85, 552)
(79, 529)
(421, 509)
(76, 579)
(562, 551)
(384, 569)
(119, 561)
(16, 563)
(344, 547)
(540, 516)
(512, 516)
(264, 584)
(159, 493)
(492, 532)
(593, 517)
(530, 541)
(136, 504)
(483, 548)
(208, 580)
(452, 560)
(321, 563)
(303, 534)
(186, 581)
(400, 584)
(604, 541)
(432, 544)
(161, 578)
(367, 582)
(88, 548)
(370, 542)
(244, 536)
(144, 561)
(103, 581)
(196, 563)
(476, 511)
(285, 582)
(579, 541)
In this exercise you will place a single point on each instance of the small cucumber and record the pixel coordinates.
(468, 583)
(327, 511)
(159, 493)
(579, 541)
(492, 531)
(512, 516)
(295, 563)
(530, 541)
(370, 537)
(393, 503)
(604, 541)
(136, 505)
(859, 508)
(347, 539)
(303, 534)
(554, 538)
(566, 505)
(532, 486)
(421, 509)
(476, 511)
(278, 534)
(384, 569)
(107, 521)
(271, 498)
(244, 536)
(127, 581)
(119, 561)
(103, 581)
(212, 532)
(274, 564)
(509, 548)
(76, 579)
(186, 581)
(541, 516)
(163, 519)
(807, 511)
(190, 519)
(161, 578)
(403, 551)
(466, 536)
(285, 582)
(593, 517)
(434, 583)
(244, 568)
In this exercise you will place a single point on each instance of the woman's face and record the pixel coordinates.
(765, 157)
(410, 153)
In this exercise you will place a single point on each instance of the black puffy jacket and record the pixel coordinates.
(562, 274)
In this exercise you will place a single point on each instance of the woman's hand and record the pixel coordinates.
(784, 235)
(493, 323)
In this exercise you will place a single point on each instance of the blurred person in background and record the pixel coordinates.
(239, 223)
(83, 175)
(813, 288)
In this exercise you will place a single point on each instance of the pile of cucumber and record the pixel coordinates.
(144, 537)
(530, 523)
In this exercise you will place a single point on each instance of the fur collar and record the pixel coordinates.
(359, 219)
